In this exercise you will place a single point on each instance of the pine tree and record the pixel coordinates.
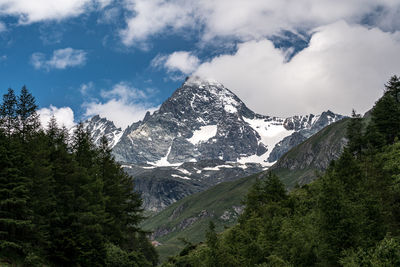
(114, 196)
(15, 220)
(8, 113)
(27, 115)
(123, 205)
(42, 192)
(63, 248)
(386, 112)
(211, 241)
(89, 199)
(341, 213)
(355, 134)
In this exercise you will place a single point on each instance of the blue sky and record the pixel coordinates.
(121, 58)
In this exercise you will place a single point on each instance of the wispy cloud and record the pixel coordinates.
(51, 33)
(182, 61)
(123, 104)
(61, 59)
(85, 88)
(29, 11)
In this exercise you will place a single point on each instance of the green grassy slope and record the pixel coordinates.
(189, 217)
(302, 163)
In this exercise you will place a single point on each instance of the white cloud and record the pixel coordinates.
(249, 20)
(182, 61)
(61, 59)
(154, 16)
(123, 104)
(63, 115)
(125, 92)
(29, 11)
(343, 67)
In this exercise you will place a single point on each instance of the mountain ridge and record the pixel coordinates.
(200, 136)
(204, 120)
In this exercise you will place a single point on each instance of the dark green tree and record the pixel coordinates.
(211, 241)
(27, 115)
(386, 112)
(8, 112)
(355, 134)
(15, 213)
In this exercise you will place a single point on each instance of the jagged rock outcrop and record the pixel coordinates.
(304, 127)
(314, 154)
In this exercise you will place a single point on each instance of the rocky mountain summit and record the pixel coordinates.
(200, 136)
(101, 126)
(205, 120)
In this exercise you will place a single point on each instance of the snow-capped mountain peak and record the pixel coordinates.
(98, 127)
(204, 120)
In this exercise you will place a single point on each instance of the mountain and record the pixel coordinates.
(189, 217)
(202, 135)
(99, 127)
(301, 163)
(162, 186)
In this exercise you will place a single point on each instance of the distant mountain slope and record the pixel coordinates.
(301, 162)
(163, 186)
(189, 217)
(222, 203)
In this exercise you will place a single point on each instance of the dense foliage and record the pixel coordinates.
(63, 201)
(350, 216)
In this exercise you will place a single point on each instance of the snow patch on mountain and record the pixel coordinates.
(218, 167)
(181, 177)
(230, 108)
(204, 134)
(270, 132)
(163, 162)
(262, 160)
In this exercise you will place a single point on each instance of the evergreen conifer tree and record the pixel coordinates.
(8, 113)
(15, 213)
(27, 115)
(355, 134)
(386, 112)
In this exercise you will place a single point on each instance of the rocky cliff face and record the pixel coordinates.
(313, 155)
(201, 120)
(304, 128)
(200, 136)
(101, 126)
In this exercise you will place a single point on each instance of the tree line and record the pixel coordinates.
(64, 201)
(349, 216)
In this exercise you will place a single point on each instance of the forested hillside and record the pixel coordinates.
(350, 216)
(63, 201)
